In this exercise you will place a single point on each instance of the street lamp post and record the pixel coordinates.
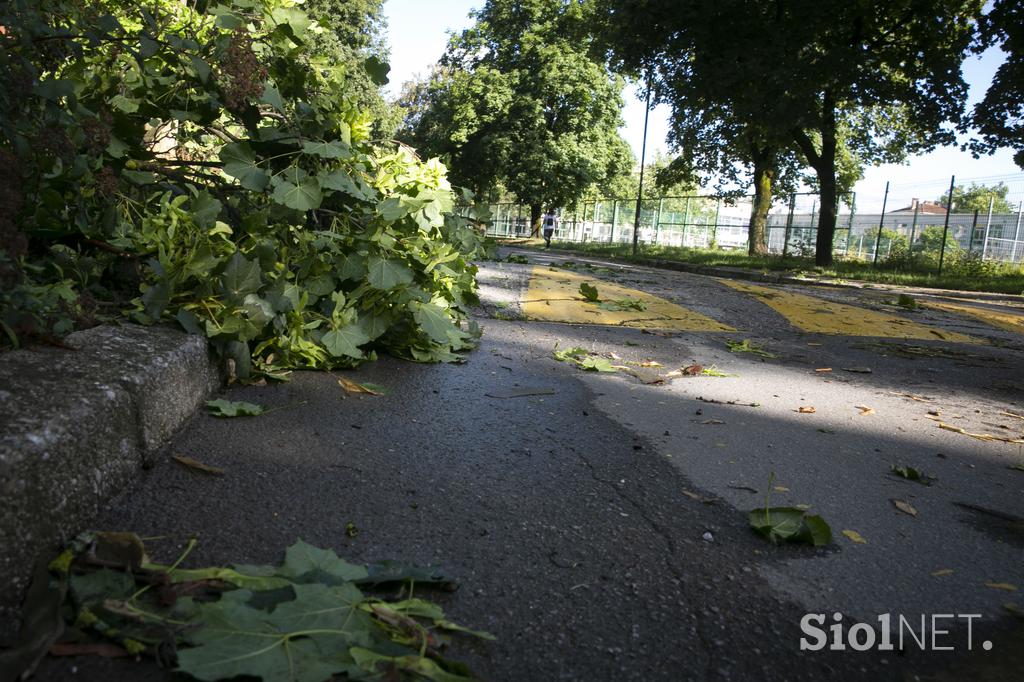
(643, 160)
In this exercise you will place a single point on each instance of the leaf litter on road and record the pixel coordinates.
(855, 537)
(905, 507)
(788, 524)
(584, 359)
(305, 620)
(196, 465)
(911, 474)
(980, 436)
(746, 346)
(233, 408)
(365, 387)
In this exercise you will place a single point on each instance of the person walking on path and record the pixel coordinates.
(549, 222)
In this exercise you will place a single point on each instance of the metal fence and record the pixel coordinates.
(910, 231)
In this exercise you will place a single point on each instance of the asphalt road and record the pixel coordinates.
(597, 525)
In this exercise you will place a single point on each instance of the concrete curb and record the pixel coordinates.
(779, 278)
(77, 425)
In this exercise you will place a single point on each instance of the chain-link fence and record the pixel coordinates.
(908, 224)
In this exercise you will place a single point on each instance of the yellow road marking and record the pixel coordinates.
(554, 296)
(825, 317)
(1013, 322)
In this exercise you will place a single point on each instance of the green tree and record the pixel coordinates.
(999, 117)
(519, 102)
(978, 197)
(354, 39)
(811, 75)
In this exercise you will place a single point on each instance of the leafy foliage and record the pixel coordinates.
(519, 104)
(999, 117)
(789, 524)
(303, 621)
(208, 157)
(978, 198)
(584, 359)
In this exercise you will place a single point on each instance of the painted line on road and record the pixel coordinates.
(553, 296)
(826, 317)
(1000, 319)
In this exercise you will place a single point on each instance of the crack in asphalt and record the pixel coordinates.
(670, 545)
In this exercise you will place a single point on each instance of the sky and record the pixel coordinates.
(418, 34)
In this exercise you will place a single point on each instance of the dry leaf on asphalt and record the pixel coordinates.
(1009, 587)
(942, 571)
(855, 537)
(196, 465)
(650, 363)
(823, 369)
(692, 370)
(781, 489)
(712, 421)
(354, 387)
(980, 436)
(865, 410)
(699, 498)
(905, 507)
(917, 398)
(806, 409)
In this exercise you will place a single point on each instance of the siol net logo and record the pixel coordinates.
(929, 633)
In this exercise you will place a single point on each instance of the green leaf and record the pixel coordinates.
(240, 163)
(623, 304)
(745, 346)
(327, 150)
(379, 664)
(345, 342)
(378, 70)
(122, 103)
(303, 560)
(433, 320)
(233, 408)
(385, 275)
(298, 190)
(272, 96)
(341, 181)
(789, 524)
(303, 640)
(589, 292)
(201, 68)
(242, 276)
(53, 89)
(393, 209)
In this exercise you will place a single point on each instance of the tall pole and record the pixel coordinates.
(913, 230)
(945, 227)
(881, 221)
(974, 228)
(1016, 233)
(988, 226)
(643, 159)
(789, 224)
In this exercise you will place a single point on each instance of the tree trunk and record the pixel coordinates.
(535, 216)
(824, 164)
(764, 175)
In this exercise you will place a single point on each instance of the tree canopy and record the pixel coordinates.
(999, 116)
(978, 198)
(519, 102)
(807, 75)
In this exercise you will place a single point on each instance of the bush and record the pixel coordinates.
(209, 164)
